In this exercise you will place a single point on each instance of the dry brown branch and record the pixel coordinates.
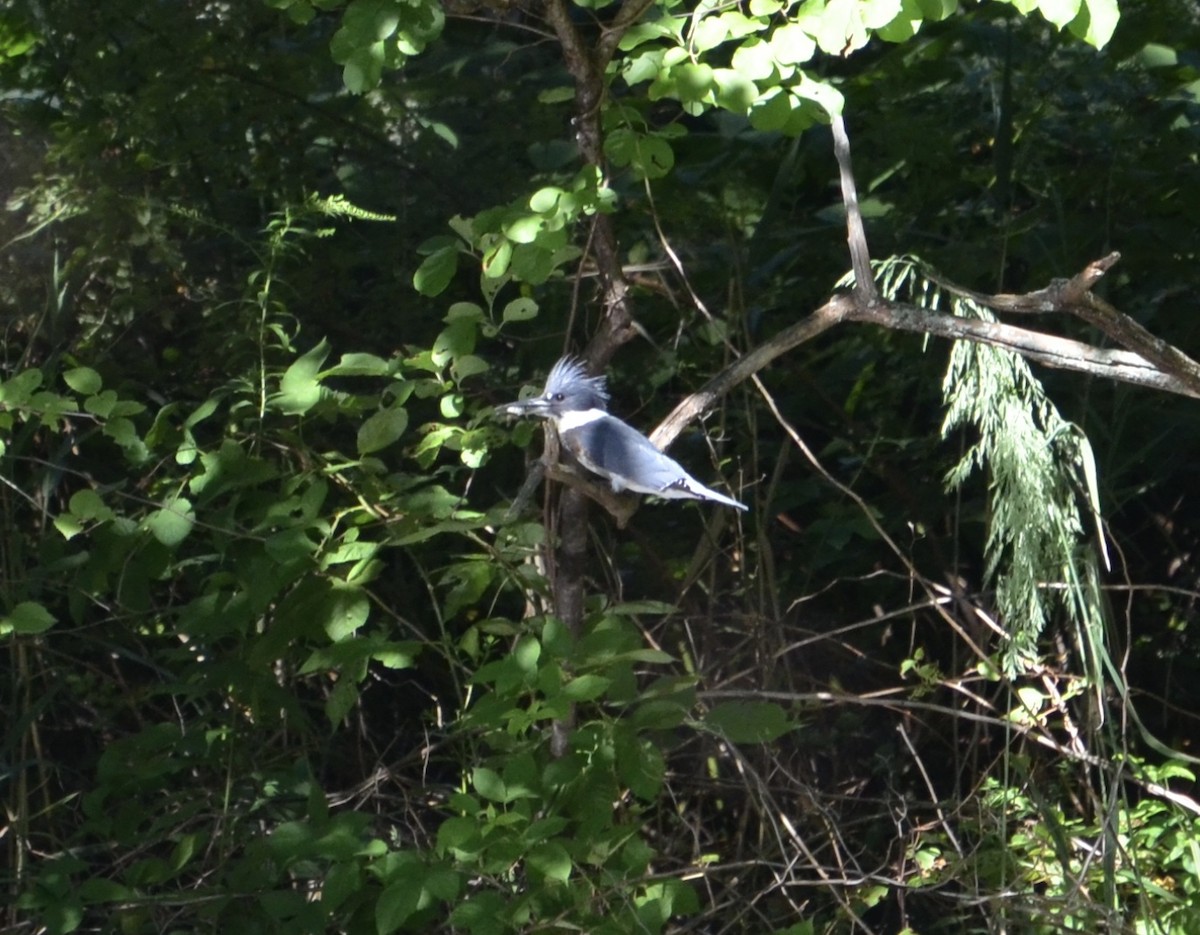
(1144, 360)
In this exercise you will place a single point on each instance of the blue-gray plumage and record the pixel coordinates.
(576, 404)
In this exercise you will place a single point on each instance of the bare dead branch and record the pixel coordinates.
(1047, 349)
(865, 292)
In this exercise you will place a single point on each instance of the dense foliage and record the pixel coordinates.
(280, 655)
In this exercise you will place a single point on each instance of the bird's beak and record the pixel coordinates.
(536, 406)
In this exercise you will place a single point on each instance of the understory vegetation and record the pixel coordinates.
(287, 646)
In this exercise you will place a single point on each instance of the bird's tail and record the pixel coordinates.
(705, 493)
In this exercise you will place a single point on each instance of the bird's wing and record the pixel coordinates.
(609, 447)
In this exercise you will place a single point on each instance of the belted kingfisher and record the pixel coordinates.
(576, 404)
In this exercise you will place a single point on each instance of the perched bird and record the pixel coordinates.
(602, 443)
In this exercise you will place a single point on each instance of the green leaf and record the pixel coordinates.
(456, 340)
(468, 365)
(299, 389)
(791, 45)
(521, 309)
(545, 200)
(1060, 12)
(524, 229)
(550, 861)
(749, 721)
(358, 365)
(877, 14)
(346, 611)
(17, 390)
(101, 404)
(488, 784)
(341, 700)
(27, 617)
(1096, 22)
(398, 902)
(734, 91)
(436, 271)
(172, 524)
(586, 687)
(821, 93)
(693, 82)
(532, 264)
(771, 111)
(497, 257)
(654, 158)
(68, 526)
(83, 380)
(382, 429)
(838, 27)
(88, 505)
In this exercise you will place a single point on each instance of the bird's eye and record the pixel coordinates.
(559, 397)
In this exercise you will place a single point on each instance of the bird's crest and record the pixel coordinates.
(569, 376)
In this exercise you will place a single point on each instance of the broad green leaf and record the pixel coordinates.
(937, 10)
(791, 45)
(444, 884)
(640, 765)
(879, 13)
(754, 60)
(89, 505)
(436, 271)
(27, 617)
(101, 404)
(771, 111)
(551, 861)
(649, 30)
(559, 95)
(524, 229)
(645, 66)
(464, 311)
(172, 524)
(654, 158)
(1060, 12)
(520, 309)
(1096, 22)
(734, 91)
(586, 687)
(749, 721)
(545, 200)
(488, 784)
(693, 82)
(458, 834)
(397, 655)
(397, 902)
(68, 526)
(468, 365)
(838, 28)
(709, 33)
(496, 257)
(824, 95)
(906, 24)
(532, 264)
(299, 389)
(382, 429)
(341, 700)
(358, 365)
(17, 390)
(456, 340)
(83, 380)
(347, 610)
